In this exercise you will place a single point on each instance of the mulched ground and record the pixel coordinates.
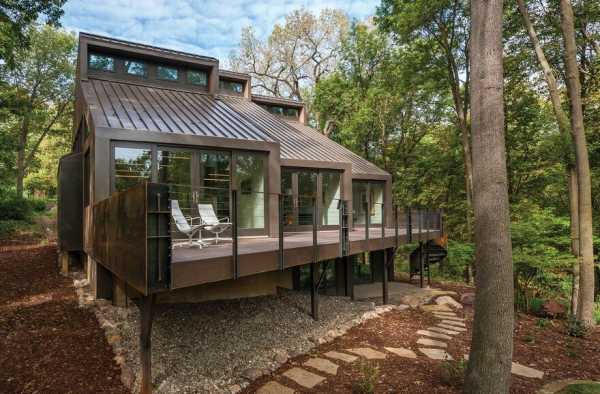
(545, 348)
(48, 344)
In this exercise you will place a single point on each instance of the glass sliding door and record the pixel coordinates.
(371, 192)
(331, 189)
(175, 169)
(302, 188)
(250, 183)
(213, 181)
(132, 165)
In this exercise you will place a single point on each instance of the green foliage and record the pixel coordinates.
(9, 227)
(576, 328)
(581, 388)
(369, 374)
(13, 207)
(452, 372)
(460, 255)
(542, 323)
(597, 312)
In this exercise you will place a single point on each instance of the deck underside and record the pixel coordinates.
(194, 266)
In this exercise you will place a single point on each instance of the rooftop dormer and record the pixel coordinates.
(106, 58)
(284, 108)
(234, 84)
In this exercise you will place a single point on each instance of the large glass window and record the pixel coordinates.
(199, 78)
(167, 73)
(250, 178)
(133, 67)
(307, 188)
(231, 86)
(363, 191)
(331, 192)
(214, 179)
(132, 166)
(175, 169)
(287, 189)
(101, 62)
(376, 196)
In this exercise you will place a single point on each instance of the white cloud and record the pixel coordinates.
(209, 27)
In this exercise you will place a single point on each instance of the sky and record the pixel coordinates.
(210, 28)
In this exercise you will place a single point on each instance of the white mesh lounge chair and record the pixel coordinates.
(183, 225)
(211, 222)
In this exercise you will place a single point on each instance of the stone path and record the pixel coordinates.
(432, 342)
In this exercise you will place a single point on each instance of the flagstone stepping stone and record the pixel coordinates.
(525, 371)
(438, 308)
(322, 365)
(368, 353)
(436, 354)
(447, 300)
(442, 313)
(454, 323)
(347, 358)
(274, 388)
(431, 342)
(450, 327)
(402, 352)
(433, 334)
(460, 319)
(303, 377)
(443, 330)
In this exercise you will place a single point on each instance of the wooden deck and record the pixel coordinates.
(193, 266)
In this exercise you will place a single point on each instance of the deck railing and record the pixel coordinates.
(134, 231)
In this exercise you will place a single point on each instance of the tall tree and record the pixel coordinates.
(15, 19)
(295, 56)
(585, 308)
(565, 130)
(491, 349)
(43, 77)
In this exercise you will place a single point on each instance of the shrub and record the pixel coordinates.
(597, 312)
(369, 374)
(9, 227)
(581, 388)
(38, 205)
(536, 306)
(452, 372)
(576, 328)
(542, 323)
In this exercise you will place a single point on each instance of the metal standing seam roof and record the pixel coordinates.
(298, 141)
(130, 106)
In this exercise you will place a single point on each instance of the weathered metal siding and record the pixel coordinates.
(70, 202)
(123, 105)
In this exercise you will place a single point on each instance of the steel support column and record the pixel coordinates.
(146, 305)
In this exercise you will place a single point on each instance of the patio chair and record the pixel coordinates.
(182, 224)
(211, 222)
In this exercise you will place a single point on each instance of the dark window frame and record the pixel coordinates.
(189, 81)
(177, 71)
(143, 63)
(102, 70)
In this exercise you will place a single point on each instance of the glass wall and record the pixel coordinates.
(213, 181)
(371, 191)
(132, 166)
(330, 196)
(175, 169)
(250, 179)
(307, 189)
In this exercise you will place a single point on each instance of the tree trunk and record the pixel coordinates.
(585, 307)
(491, 349)
(565, 129)
(574, 213)
(21, 146)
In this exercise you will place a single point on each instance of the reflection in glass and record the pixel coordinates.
(132, 166)
(288, 198)
(101, 62)
(197, 78)
(376, 195)
(174, 169)
(168, 73)
(307, 187)
(214, 178)
(231, 86)
(330, 198)
(250, 178)
(359, 197)
(135, 68)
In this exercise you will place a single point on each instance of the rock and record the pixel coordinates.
(433, 334)
(322, 365)
(467, 299)
(442, 330)
(553, 309)
(341, 356)
(453, 323)
(281, 356)
(234, 388)
(402, 352)
(431, 342)
(303, 377)
(253, 373)
(453, 328)
(447, 300)
(411, 301)
(368, 353)
(127, 377)
(525, 371)
(436, 354)
(274, 388)
(113, 339)
(435, 308)
(119, 360)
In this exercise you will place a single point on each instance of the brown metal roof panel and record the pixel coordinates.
(131, 106)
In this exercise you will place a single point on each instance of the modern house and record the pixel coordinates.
(153, 125)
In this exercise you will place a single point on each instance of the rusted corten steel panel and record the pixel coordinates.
(124, 105)
(70, 202)
(127, 234)
(301, 142)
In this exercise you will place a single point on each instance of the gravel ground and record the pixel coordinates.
(219, 347)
